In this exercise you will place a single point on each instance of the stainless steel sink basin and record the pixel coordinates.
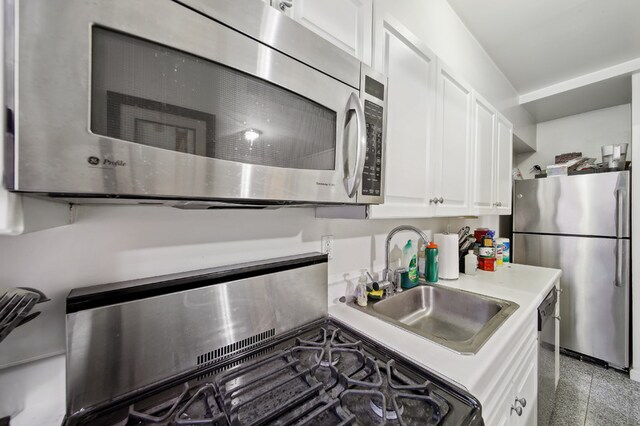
(460, 320)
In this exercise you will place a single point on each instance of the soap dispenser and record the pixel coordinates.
(361, 290)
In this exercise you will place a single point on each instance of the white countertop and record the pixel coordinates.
(525, 285)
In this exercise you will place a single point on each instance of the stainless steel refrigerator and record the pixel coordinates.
(581, 224)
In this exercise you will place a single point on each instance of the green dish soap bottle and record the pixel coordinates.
(410, 262)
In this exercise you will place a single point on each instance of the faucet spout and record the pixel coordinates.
(393, 232)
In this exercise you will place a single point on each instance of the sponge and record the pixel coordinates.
(376, 294)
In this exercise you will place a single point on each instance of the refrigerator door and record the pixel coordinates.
(594, 303)
(595, 204)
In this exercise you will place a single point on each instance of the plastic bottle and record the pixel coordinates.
(422, 259)
(432, 263)
(470, 263)
(361, 290)
(499, 254)
(410, 261)
(506, 251)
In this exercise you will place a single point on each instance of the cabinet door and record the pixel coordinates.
(345, 23)
(504, 415)
(411, 70)
(451, 156)
(526, 389)
(504, 158)
(484, 156)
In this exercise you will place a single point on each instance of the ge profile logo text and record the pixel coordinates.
(94, 161)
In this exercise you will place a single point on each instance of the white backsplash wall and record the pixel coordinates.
(584, 133)
(110, 244)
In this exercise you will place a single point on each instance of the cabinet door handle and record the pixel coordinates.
(441, 200)
(521, 401)
(433, 201)
(284, 4)
(518, 410)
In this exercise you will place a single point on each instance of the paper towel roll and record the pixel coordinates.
(448, 266)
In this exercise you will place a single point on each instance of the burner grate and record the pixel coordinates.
(267, 389)
(189, 408)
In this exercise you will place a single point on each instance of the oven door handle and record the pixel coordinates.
(352, 182)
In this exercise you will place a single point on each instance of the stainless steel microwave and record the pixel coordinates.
(187, 103)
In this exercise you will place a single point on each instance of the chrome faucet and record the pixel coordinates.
(393, 283)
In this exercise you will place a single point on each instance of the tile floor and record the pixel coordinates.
(589, 394)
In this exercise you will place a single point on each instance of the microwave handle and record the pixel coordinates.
(353, 182)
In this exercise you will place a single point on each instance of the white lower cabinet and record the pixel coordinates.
(517, 401)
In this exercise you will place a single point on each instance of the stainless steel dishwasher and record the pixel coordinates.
(546, 356)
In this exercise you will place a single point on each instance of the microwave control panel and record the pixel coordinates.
(371, 176)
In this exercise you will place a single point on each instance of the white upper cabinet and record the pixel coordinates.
(492, 158)
(483, 159)
(345, 23)
(451, 150)
(411, 69)
(504, 156)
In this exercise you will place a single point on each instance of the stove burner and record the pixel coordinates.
(389, 414)
(327, 358)
(325, 362)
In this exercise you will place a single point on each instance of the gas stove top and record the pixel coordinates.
(322, 374)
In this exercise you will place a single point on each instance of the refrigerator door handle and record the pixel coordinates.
(619, 279)
(620, 218)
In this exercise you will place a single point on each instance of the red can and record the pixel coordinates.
(479, 233)
(487, 264)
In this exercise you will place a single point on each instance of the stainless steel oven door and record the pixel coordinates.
(149, 99)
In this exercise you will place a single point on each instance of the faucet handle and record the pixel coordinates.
(397, 278)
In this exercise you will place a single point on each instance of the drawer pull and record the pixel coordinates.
(518, 410)
(521, 401)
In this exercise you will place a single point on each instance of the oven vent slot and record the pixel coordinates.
(234, 348)
(233, 364)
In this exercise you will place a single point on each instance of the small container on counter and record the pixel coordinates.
(506, 251)
(487, 264)
(361, 290)
(422, 258)
(487, 251)
(470, 263)
(479, 233)
(499, 254)
(431, 274)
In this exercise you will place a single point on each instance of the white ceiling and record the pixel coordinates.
(537, 43)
